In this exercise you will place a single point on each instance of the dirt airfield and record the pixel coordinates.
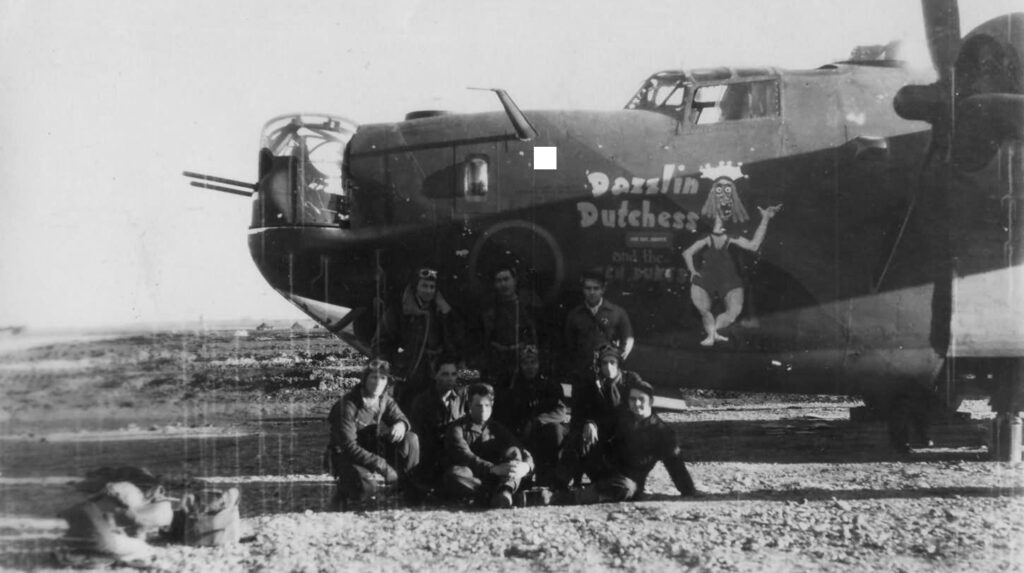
(788, 483)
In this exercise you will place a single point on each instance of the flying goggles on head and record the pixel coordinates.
(426, 273)
(607, 351)
(377, 365)
(529, 351)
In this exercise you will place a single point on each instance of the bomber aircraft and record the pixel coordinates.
(891, 267)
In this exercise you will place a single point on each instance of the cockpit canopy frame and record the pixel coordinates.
(711, 95)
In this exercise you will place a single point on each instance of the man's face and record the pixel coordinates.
(446, 378)
(505, 283)
(529, 366)
(609, 367)
(639, 403)
(426, 289)
(480, 408)
(593, 291)
(375, 384)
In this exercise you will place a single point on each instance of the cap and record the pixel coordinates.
(608, 350)
(378, 366)
(635, 382)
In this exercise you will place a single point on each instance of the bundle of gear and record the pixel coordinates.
(128, 510)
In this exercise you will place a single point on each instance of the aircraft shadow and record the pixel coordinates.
(821, 494)
(801, 440)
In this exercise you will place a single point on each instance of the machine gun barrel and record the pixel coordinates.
(215, 179)
(231, 190)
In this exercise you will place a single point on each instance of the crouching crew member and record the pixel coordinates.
(487, 459)
(540, 413)
(370, 435)
(597, 403)
(432, 412)
(642, 440)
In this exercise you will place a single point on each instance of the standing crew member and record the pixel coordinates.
(414, 334)
(507, 326)
(593, 324)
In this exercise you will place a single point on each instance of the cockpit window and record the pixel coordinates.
(665, 94)
(735, 101)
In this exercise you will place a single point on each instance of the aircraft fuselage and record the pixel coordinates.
(855, 285)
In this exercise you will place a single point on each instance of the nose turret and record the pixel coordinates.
(301, 180)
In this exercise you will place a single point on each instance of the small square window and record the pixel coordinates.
(545, 158)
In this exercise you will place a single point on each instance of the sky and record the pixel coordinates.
(104, 103)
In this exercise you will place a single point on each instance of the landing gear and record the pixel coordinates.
(1008, 402)
(1006, 437)
(909, 411)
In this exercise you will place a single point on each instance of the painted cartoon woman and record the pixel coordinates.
(718, 276)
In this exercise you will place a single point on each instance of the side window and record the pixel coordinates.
(707, 105)
(735, 101)
(475, 178)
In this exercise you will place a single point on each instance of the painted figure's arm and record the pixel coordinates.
(690, 252)
(755, 243)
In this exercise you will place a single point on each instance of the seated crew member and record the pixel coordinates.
(486, 458)
(431, 414)
(596, 405)
(642, 440)
(370, 435)
(415, 333)
(540, 415)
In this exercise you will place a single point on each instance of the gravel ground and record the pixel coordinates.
(788, 484)
(914, 516)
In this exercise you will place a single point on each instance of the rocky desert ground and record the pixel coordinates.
(788, 483)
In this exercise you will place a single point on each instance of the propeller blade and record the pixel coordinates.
(942, 27)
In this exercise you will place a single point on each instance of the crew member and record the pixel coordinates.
(539, 413)
(431, 414)
(593, 324)
(642, 440)
(370, 435)
(596, 405)
(487, 460)
(415, 333)
(507, 324)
